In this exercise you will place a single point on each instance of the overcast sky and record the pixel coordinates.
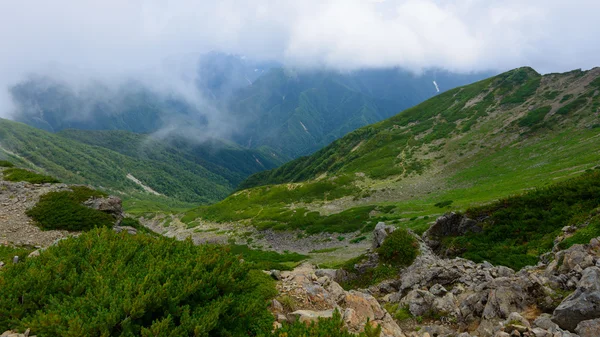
(114, 37)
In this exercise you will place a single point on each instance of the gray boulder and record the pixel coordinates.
(380, 233)
(111, 205)
(581, 305)
(450, 224)
(589, 328)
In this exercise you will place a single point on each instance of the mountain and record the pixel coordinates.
(467, 146)
(132, 164)
(297, 113)
(256, 104)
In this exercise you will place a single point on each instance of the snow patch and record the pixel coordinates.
(144, 187)
(305, 129)
(436, 86)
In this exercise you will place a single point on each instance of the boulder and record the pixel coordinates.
(111, 205)
(418, 302)
(307, 316)
(128, 229)
(589, 328)
(450, 224)
(380, 233)
(581, 305)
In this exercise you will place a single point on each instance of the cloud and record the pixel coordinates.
(118, 39)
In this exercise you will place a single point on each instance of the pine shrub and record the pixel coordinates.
(400, 248)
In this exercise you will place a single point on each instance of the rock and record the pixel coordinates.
(501, 334)
(581, 305)
(450, 224)
(539, 332)
(1, 264)
(380, 233)
(15, 260)
(418, 302)
(589, 328)
(330, 273)
(276, 274)
(516, 319)
(35, 253)
(128, 229)
(276, 306)
(111, 205)
(281, 318)
(438, 290)
(307, 316)
(544, 321)
(371, 261)
(575, 255)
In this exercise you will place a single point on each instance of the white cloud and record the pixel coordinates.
(113, 38)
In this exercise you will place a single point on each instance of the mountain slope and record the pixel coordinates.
(297, 113)
(145, 165)
(467, 146)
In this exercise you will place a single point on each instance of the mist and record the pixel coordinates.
(157, 43)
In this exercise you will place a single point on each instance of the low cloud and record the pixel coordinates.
(115, 40)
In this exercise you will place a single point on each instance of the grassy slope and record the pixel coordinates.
(470, 145)
(172, 175)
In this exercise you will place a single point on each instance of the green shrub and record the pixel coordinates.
(444, 203)
(4, 163)
(65, 211)
(7, 253)
(18, 174)
(573, 106)
(518, 229)
(332, 327)
(534, 117)
(108, 284)
(267, 260)
(399, 248)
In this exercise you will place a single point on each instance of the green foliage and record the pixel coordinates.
(325, 327)
(523, 92)
(4, 163)
(518, 229)
(370, 276)
(583, 235)
(535, 117)
(7, 253)
(179, 170)
(400, 248)
(573, 106)
(443, 204)
(551, 94)
(65, 211)
(267, 260)
(108, 284)
(19, 174)
(566, 98)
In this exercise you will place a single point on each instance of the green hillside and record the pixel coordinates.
(112, 161)
(465, 147)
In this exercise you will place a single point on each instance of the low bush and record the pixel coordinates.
(65, 211)
(108, 284)
(400, 248)
(18, 174)
(333, 327)
(4, 163)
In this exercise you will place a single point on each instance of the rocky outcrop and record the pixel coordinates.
(380, 233)
(451, 224)
(11, 333)
(581, 305)
(589, 328)
(111, 205)
(306, 294)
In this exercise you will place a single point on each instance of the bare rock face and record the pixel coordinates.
(111, 205)
(380, 233)
(583, 304)
(316, 296)
(450, 224)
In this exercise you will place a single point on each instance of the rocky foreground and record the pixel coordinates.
(559, 297)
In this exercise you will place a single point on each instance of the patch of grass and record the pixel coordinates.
(566, 98)
(358, 239)
(399, 313)
(19, 174)
(65, 211)
(267, 260)
(324, 250)
(443, 204)
(4, 163)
